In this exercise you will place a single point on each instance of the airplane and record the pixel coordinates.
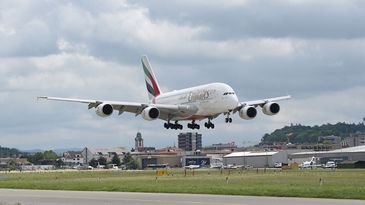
(192, 166)
(309, 164)
(204, 102)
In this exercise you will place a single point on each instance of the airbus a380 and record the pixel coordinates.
(204, 102)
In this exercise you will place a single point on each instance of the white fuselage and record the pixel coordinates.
(210, 100)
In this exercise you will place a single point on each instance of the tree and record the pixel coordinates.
(129, 162)
(12, 165)
(133, 164)
(50, 155)
(127, 158)
(93, 162)
(307, 134)
(59, 163)
(9, 152)
(116, 160)
(36, 158)
(102, 161)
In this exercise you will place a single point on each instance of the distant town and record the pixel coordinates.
(340, 145)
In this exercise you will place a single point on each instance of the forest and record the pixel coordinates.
(301, 134)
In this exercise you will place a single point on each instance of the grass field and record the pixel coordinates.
(344, 184)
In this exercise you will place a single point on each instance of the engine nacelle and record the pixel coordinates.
(150, 113)
(104, 110)
(248, 112)
(271, 108)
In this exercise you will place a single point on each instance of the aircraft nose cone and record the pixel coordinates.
(235, 98)
(233, 101)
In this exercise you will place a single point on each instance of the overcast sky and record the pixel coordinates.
(311, 49)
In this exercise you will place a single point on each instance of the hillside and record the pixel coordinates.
(307, 134)
(9, 152)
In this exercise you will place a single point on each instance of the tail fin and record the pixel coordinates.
(153, 88)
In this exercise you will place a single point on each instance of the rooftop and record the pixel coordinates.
(107, 150)
(343, 150)
(250, 154)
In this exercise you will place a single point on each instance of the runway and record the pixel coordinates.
(40, 197)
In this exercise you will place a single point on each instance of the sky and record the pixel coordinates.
(313, 50)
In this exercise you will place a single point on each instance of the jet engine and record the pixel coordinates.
(150, 113)
(104, 110)
(271, 108)
(248, 112)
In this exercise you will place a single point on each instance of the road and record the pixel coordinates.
(40, 197)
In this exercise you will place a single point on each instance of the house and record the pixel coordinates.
(89, 153)
(72, 158)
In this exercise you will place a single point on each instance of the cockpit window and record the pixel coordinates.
(228, 93)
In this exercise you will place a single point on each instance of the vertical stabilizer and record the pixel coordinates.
(153, 88)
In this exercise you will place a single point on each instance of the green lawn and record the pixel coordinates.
(345, 184)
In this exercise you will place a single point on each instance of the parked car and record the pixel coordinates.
(330, 165)
(278, 165)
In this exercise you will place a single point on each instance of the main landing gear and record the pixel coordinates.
(175, 126)
(209, 124)
(193, 126)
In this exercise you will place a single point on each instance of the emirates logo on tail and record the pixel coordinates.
(153, 88)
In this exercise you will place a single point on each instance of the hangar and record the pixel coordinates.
(338, 155)
(257, 159)
(150, 159)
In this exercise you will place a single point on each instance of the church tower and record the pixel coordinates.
(138, 142)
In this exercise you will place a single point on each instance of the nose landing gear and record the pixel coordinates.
(228, 119)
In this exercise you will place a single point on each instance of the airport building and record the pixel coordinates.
(221, 146)
(155, 160)
(170, 156)
(338, 155)
(257, 159)
(356, 139)
(190, 141)
(196, 160)
(335, 141)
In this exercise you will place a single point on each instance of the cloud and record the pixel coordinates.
(279, 19)
(332, 107)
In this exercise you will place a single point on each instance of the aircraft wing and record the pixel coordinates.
(166, 111)
(261, 102)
